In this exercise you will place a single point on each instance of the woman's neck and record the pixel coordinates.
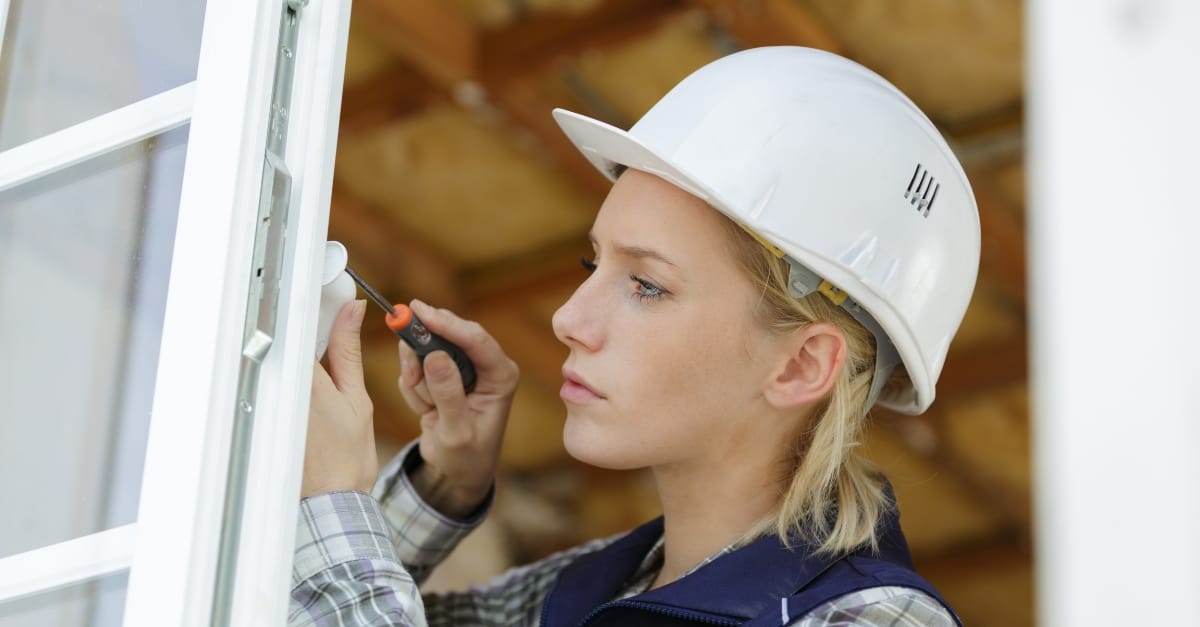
(708, 508)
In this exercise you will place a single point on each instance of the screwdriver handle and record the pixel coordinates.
(423, 341)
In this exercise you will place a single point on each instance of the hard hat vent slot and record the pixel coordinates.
(922, 190)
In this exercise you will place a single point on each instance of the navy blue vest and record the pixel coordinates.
(763, 583)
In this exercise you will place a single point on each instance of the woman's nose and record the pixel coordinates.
(575, 323)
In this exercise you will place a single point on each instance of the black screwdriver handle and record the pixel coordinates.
(423, 341)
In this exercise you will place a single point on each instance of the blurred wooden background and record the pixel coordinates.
(453, 184)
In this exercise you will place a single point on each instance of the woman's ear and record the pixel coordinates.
(814, 359)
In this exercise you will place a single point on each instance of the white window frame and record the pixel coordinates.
(171, 551)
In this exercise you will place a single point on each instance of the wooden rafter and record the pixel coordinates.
(432, 35)
(772, 23)
(981, 368)
(445, 45)
(528, 104)
(394, 93)
(538, 42)
(1002, 255)
(374, 241)
(528, 342)
(505, 64)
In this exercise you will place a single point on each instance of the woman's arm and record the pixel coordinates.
(346, 564)
(347, 572)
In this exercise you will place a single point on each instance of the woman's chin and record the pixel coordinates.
(585, 443)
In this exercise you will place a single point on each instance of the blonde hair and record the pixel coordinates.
(834, 496)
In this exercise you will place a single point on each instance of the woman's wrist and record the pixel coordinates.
(450, 498)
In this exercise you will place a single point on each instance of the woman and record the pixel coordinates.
(787, 240)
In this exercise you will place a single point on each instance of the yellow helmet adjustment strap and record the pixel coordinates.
(802, 282)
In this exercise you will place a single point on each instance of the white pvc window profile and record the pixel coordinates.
(97, 136)
(66, 563)
(179, 512)
(170, 552)
(277, 449)
(173, 569)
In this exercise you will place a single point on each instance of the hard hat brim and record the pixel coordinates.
(609, 148)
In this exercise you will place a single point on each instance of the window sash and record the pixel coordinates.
(174, 564)
(97, 136)
(171, 551)
(66, 563)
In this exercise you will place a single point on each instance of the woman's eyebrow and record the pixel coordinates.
(637, 252)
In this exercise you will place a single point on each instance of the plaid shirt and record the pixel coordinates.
(359, 562)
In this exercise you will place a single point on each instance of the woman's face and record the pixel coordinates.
(667, 362)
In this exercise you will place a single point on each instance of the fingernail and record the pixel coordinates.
(438, 365)
(421, 307)
(360, 308)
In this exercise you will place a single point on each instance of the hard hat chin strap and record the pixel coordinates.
(802, 282)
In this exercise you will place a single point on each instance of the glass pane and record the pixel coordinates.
(97, 603)
(84, 259)
(65, 61)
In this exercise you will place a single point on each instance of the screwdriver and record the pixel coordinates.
(405, 323)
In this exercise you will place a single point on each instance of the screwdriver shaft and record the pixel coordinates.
(375, 296)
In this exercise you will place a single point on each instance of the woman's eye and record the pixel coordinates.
(589, 266)
(646, 289)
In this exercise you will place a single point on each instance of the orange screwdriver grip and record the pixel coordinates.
(401, 319)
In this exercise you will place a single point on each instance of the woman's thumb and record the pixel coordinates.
(345, 347)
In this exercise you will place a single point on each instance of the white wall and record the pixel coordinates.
(1114, 219)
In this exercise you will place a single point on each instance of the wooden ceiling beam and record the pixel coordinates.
(528, 104)
(391, 94)
(1002, 231)
(977, 369)
(437, 39)
(533, 44)
(526, 275)
(772, 23)
(505, 64)
(397, 264)
(528, 341)
(520, 54)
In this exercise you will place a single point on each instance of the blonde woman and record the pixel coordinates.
(788, 241)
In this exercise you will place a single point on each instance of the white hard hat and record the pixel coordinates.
(831, 164)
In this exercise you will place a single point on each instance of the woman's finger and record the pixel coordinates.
(445, 385)
(490, 361)
(345, 352)
(412, 380)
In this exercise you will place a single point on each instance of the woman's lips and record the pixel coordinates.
(576, 390)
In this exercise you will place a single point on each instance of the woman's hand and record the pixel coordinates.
(460, 434)
(340, 451)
